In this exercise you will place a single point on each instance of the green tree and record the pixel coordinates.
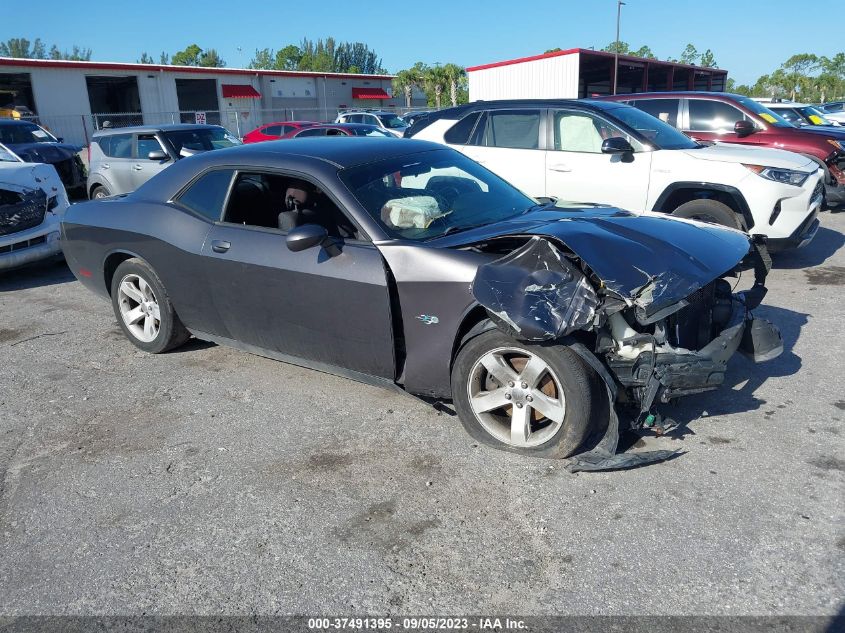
(406, 81)
(708, 59)
(553, 50)
(188, 57)
(23, 48)
(435, 82)
(644, 51)
(618, 47)
(797, 69)
(210, 58)
(690, 55)
(288, 58)
(454, 75)
(264, 59)
(145, 59)
(164, 58)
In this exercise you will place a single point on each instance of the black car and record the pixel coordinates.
(408, 265)
(34, 144)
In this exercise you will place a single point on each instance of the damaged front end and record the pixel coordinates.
(656, 319)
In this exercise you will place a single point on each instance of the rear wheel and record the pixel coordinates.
(99, 192)
(711, 211)
(143, 309)
(530, 399)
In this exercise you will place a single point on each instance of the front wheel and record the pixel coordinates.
(530, 399)
(711, 211)
(143, 309)
(99, 192)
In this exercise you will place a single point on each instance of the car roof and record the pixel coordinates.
(349, 126)
(668, 94)
(780, 104)
(169, 127)
(5, 121)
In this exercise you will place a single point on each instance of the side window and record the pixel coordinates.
(207, 195)
(287, 129)
(516, 129)
(706, 115)
(105, 144)
(459, 133)
(273, 130)
(120, 146)
(312, 131)
(278, 201)
(664, 109)
(577, 131)
(148, 143)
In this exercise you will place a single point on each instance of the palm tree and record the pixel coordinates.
(435, 81)
(454, 74)
(404, 82)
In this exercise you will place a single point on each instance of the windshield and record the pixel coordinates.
(392, 121)
(769, 116)
(201, 140)
(660, 134)
(25, 133)
(815, 116)
(430, 194)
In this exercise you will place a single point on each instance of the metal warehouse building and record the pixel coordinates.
(578, 73)
(75, 98)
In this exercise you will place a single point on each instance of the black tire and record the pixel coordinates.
(573, 375)
(99, 192)
(711, 211)
(171, 333)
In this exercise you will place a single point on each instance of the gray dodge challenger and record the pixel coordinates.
(550, 326)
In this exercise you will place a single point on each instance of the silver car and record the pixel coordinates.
(122, 159)
(390, 122)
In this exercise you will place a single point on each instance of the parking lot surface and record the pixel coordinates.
(211, 481)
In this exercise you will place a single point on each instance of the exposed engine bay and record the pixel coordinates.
(649, 345)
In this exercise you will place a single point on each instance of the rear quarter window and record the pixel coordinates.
(459, 133)
(207, 194)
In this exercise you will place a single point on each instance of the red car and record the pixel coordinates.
(275, 131)
(341, 129)
(730, 118)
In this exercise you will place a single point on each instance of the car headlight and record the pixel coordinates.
(840, 145)
(783, 176)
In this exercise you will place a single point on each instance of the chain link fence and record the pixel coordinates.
(78, 128)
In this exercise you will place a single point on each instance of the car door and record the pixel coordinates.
(508, 143)
(117, 168)
(325, 305)
(712, 120)
(578, 171)
(144, 168)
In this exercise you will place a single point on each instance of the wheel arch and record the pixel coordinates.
(112, 261)
(679, 193)
(93, 183)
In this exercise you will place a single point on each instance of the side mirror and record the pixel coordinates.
(60, 139)
(744, 128)
(158, 155)
(616, 145)
(306, 236)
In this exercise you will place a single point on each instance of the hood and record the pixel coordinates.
(44, 152)
(650, 260)
(829, 131)
(735, 153)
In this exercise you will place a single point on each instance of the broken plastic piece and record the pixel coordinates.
(535, 294)
(761, 341)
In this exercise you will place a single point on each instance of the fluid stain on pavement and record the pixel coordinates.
(826, 276)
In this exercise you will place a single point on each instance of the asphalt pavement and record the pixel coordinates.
(210, 481)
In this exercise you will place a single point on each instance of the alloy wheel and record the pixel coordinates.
(139, 308)
(516, 397)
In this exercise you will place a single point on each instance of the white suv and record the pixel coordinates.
(610, 153)
(390, 122)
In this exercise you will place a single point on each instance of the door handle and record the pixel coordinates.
(560, 167)
(219, 246)
(137, 167)
(105, 166)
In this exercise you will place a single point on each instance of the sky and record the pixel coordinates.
(748, 38)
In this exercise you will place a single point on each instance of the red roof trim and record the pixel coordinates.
(57, 63)
(239, 91)
(520, 60)
(591, 52)
(369, 93)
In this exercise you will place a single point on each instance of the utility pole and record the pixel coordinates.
(619, 4)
